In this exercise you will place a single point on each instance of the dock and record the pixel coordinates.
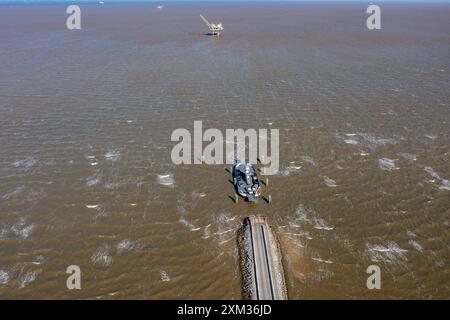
(260, 260)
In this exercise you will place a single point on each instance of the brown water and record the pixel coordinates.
(86, 119)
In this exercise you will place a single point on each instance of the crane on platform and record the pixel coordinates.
(214, 28)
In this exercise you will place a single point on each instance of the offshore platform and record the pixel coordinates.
(214, 28)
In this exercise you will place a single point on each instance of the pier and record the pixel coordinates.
(260, 259)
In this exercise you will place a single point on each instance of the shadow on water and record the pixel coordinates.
(213, 36)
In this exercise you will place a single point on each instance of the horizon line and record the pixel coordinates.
(188, 1)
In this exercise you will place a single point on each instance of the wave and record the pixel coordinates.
(166, 179)
(387, 164)
(445, 184)
(329, 182)
(26, 163)
(113, 155)
(288, 170)
(322, 260)
(164, 276)
(189, 225)
(366, 140)
(4, 277)
(102, 258)
(27, 278)
(390, 253)
(321, 224)
(125, 245)
(22, 230)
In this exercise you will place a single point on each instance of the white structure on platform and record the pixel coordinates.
(214, 28)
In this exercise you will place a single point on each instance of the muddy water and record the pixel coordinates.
(86, 176)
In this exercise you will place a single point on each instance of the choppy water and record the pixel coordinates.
(85, 170)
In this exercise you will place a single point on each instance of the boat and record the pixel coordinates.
(246, 181)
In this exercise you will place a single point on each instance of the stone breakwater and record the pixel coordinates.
(260, 261)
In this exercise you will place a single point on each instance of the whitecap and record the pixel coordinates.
(445, 184)
(26, 163)
(367, 139)
(387, 164)
(166, 179)
(309, 160)
(373, 142)
(113, 155)
(102, 257)
(91, 206)
(206, 232)
(4, 277)
(3, 234)
(408, 156)
(329, 182)
(322, 260)
(225, 217)
(21, 230)
(164, 276)
(431, 172)
(125, 245)
(390, 253)
(28, 278)
(188, 225)
(196, 195)
(222, 232)
(289, 169)
(39, 260)
(305, 234)
(416, 245)
(225, 227)
(351, 141)
(92, 181)
(321, 224)
(16, 192)
(301, 213)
